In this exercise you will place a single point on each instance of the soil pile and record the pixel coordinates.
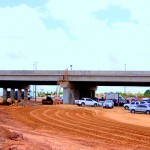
(26, 103)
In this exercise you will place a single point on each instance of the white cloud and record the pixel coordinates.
(22, 31)
(60, 33)
(71, 34)
(14, 3)
(95, 40)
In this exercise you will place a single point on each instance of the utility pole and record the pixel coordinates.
(71, 67)
(125, 86)
(35, 68)
(33, 85)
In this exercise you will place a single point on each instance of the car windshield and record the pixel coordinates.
(108, 101)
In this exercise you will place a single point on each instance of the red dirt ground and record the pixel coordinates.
(69, 127)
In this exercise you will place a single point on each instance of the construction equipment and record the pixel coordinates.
(61, 83)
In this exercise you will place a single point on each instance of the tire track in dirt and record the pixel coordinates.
(66, 126)
(115, 131)
(116, 125)
(74, 124)
(120, 133)
(84, 122)
(95, 133)
(108, 122)
(90, 124)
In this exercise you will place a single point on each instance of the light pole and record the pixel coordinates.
(35, 68)
(35, 65)
(125, 86)
(33, 85)
(71, 67)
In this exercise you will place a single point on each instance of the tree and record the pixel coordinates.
(147, 93)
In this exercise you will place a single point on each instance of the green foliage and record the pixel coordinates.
(39, 94)
(139, 94)
(147, 93)
(129, 94)
(61, 93)
(42, 94)
(121, 94)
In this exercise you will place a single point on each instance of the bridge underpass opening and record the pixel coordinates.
(122, 89)
(42, 89)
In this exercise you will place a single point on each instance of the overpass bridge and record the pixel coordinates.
(75, 83)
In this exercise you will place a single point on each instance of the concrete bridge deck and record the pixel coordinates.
(99, 78)
(79, 83)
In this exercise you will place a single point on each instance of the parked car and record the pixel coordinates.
(100, 103)
(135, 103)
(145, 102)
(48, 100)
(108, 103)
(86, 101)
(140, 108)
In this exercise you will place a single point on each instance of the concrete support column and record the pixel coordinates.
(12, 94)
(66, 95)
(4, 95)
(70, 95)
(19, 94)
(26, 93)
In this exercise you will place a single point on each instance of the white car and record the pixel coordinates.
(146, 102)
(132, 104)
(86, 102)
(108, 103)
(140, 108)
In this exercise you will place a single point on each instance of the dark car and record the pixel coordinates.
(48, 100)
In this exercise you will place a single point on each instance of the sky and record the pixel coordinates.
(87, 34)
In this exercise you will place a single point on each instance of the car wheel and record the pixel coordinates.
(132, 111)
(126, 107)
(95, 105)
(82, 104)
(147, 112)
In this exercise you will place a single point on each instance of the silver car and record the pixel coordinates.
(108, 103)
(140, 108)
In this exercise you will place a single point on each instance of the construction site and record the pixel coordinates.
(29, 125)
(42, 125)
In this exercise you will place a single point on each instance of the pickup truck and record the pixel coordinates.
(86, 102)
(135, 103)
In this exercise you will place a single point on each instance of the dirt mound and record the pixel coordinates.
(6, 134)
(8, 139)
(26, 103)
